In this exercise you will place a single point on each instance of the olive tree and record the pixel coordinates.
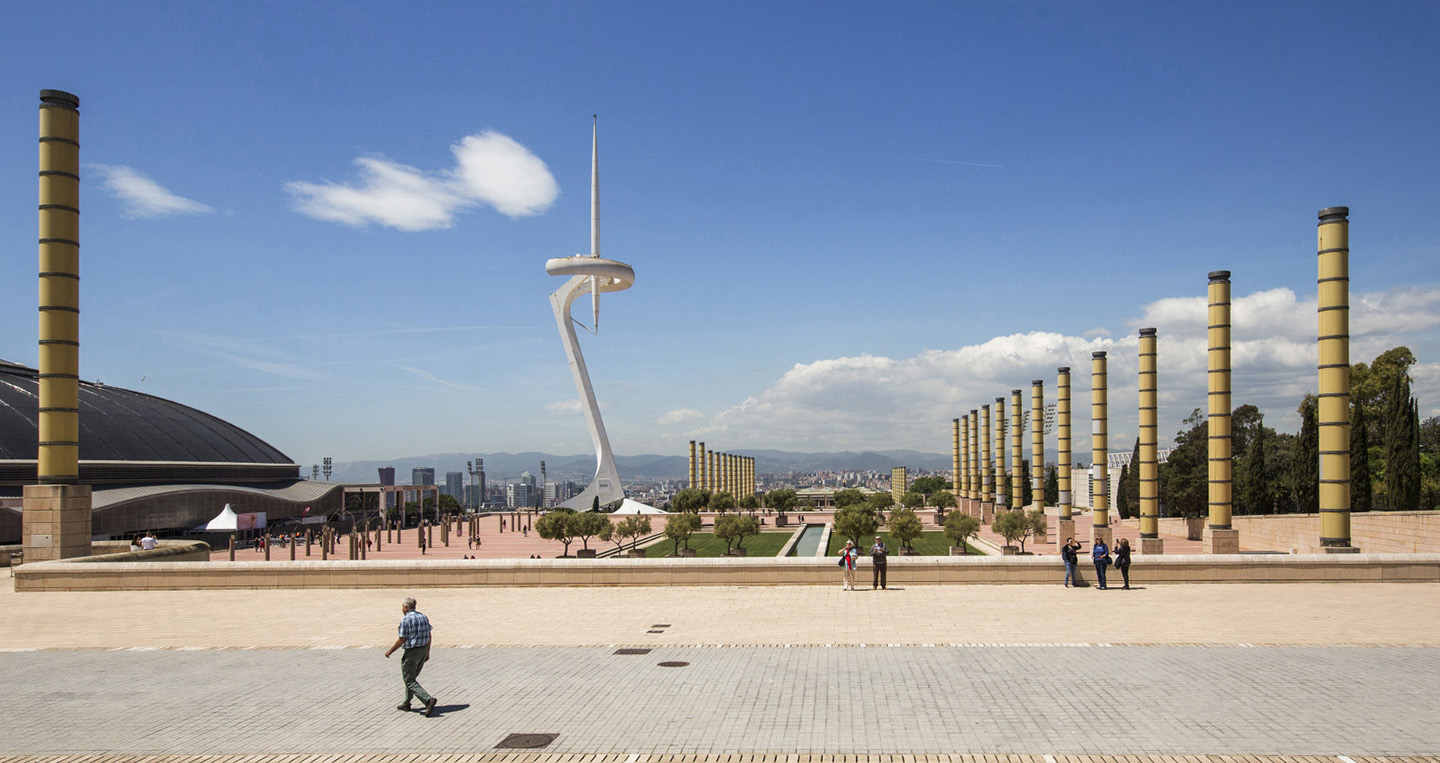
(960, 528)
(734, 529)
(781, 500)
(635, 528)
(855, 522)
(722, 502)
(679, 528)
(905, 526)
(556, 525)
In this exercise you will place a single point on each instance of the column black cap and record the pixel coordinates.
(1147, 332)
(1334, 214)
(1219, 275)
(60, 98)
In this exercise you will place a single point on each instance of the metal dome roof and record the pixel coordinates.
(123, 425)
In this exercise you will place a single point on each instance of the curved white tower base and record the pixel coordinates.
(593, 275)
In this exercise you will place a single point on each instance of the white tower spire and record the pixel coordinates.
(595, 218)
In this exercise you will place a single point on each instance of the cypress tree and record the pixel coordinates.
(1306, 466)
(1362, 495)
(1254, 487)
(1052, 485)
(1402, 448)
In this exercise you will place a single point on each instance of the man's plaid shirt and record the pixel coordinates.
(415, 629)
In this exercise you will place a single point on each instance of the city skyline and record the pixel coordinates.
(854, 223)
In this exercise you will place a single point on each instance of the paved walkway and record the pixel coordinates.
(1268, 670)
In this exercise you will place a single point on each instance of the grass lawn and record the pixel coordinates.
(706, 544)
(928, 544)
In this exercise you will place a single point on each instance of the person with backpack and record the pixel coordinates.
(1100, 553)
(1122, 560)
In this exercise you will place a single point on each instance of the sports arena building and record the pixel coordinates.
(153, 464)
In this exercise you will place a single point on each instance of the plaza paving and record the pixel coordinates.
(916, 675)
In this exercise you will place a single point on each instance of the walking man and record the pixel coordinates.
(877, 561)
(415, 638)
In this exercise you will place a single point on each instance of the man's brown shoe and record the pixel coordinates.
(405, 707)
(430, 707)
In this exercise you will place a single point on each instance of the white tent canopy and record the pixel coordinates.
(635, 507)
(225, 520)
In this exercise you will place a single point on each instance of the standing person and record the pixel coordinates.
(1100, 553)
(1122, 560)
(148, 542)
(422, 540)
(848, 555)
(415, 638)
(1070, 552)
(877, 561)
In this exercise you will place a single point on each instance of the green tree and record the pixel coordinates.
(1025, 493)
(679, 528)
(750, 503)
(879, 501)
(613, 532)
(1306, 480)
(448, 505)
(905, 525)
(1052, 485)
(635, 528)
(960, 527)
(1037, 524)
(1279, 474)
(1009, 524)
(690, 500)
(783, 499)
(734, 529)
(855, 521)
(1402, 447)
(587, 526)
(1371, 386)
(912, 500)
(1430, 462)
(1253, 489)
(943, 499)
(1362, 492)
(1185, 475)
(1127, 493)
(556, 525)
(927, 485)
(722, 502)
(848, 497)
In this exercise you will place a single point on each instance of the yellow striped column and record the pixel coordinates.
(962, 477)
(987, 477)
(1219, 537)
(1099, 449)
(692, 465)
(1334, 413)
(1148, 468)
(1002, 477)
(1037, 443)
(955, 478)
(1065, 527)
(701, 467)
(56, 518)
(975, 462)
(1017, 451)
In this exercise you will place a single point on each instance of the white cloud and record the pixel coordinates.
(141, 197)
(564, 406)
(870, 402)
(427, 376)
(680, 415)
(490, 169)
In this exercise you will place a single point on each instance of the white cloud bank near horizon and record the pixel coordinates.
(143, 198)
(877, 403)
(490, 169)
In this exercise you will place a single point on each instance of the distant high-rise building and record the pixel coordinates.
(387, 477)
(455, 485)
(422, 476)
(518, 495)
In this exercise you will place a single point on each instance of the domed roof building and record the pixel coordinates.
(152, 463)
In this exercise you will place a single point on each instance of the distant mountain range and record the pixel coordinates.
(500, 466)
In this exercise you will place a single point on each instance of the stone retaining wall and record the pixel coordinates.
(1373, 532)
(102, 575)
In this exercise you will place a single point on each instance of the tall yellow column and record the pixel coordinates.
(56, 519)
(1148, 470)
(1017, 451)
(1065, 525)
(955, 455)
(987, 477)
(1002, 477)
(692, 483)
(1037, 443)
(1334, 413)
(701, 467)
(1099, 448)
(974, 462)
(1219, 537)
(962, 477)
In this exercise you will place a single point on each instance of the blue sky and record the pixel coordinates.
(849, 222)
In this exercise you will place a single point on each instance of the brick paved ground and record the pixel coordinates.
(1346, 670)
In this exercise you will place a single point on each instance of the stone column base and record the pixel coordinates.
(1064, 528)
(55, 522)
(1098, 534)
(1152, 546)
(1222, 541)
(1339, 550)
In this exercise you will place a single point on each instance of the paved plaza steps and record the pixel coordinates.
(541, 757)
